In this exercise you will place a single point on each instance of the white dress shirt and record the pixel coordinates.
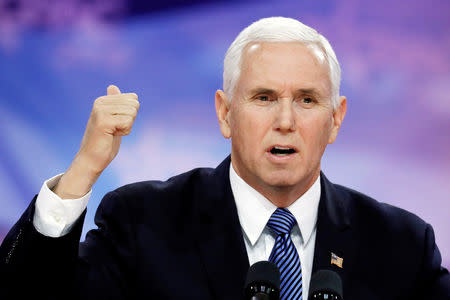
(55, 217)
(254, 211)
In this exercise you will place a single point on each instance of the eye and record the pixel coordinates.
(307, 100)
(263, 98)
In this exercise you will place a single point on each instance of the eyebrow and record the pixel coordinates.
(308, 91)
(260, 90)
(312, 92)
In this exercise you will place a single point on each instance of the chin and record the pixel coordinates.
(281, 181)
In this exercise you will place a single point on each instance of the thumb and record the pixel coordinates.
(112, 90)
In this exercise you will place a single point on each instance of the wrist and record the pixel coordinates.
(77, 181)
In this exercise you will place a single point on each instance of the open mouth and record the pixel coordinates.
(282, 151)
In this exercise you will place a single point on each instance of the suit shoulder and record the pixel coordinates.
(176, 184)
(364, 209)
(175, 198)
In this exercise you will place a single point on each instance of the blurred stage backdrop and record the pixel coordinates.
(56, 57)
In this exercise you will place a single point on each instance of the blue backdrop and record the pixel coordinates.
(394, 144)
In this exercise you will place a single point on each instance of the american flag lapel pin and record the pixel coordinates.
(336, 260)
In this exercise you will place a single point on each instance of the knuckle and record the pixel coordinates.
(98, 104)
(128, 123)
(99, 100)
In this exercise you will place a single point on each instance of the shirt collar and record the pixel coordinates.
(254, 210)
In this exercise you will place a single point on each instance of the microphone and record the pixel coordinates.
(325, 284)
(263, 282)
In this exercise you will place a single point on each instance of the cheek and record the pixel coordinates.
(248, 129)
(238, 126)
(315, 131)
(247, 124)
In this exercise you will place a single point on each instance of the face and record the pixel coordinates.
(280, 119)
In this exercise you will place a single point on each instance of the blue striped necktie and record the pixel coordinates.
(285, 256)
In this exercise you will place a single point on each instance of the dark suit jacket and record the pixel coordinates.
(181, 239)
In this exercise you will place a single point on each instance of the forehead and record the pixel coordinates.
(284, 65)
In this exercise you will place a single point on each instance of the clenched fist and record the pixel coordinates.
(112, 117)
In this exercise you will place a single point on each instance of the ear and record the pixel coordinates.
(222, 109)
(338, 117)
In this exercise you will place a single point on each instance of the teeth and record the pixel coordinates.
(282, 151)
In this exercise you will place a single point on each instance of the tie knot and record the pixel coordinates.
(281, 221)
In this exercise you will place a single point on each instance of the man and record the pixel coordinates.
(195, 235)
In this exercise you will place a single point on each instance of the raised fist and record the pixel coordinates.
(112, 117)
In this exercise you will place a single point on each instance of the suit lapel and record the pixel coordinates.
(220, 241)
(334, 234)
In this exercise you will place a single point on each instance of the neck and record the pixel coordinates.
(281, 196)
(284, 196)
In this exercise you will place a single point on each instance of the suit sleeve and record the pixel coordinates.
(436, 278)
(42, 267)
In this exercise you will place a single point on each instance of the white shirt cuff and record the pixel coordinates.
(53, 216)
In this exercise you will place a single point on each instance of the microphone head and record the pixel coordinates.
(325, 284)
(263, 278)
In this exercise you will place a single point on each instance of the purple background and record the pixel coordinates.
(56, 57)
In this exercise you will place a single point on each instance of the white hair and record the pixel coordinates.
(280, 29)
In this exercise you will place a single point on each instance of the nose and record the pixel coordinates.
(285, 116)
